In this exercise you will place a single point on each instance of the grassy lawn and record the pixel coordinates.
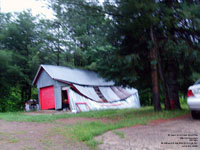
(86, 131)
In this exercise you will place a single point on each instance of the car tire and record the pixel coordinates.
(195, 114)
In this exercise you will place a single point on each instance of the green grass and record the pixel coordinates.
(86, 131)
(8, 137)
(21, 117)
(120, 134)
(109, 114)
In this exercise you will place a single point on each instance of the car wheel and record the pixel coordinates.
(195, 114)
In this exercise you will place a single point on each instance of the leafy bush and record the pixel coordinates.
(12, 102)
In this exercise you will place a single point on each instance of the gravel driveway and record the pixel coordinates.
(179, 134)
(36, 136)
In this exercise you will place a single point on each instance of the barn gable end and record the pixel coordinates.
(45, 80)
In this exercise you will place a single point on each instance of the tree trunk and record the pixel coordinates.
(58, 58)
(29, 92)
(58, 54)
(154, 73)
(22, 95)
(173, 83)
(165, 85)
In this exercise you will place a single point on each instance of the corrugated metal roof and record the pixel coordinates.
(109, 94)
(74, 76)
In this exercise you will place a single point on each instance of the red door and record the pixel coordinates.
(47, 99)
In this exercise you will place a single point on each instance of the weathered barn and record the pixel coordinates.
(80, 90)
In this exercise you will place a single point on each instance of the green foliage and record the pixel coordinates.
(9, 97)
(11, 102)
(84, 25)
(5, 58)
(20, 37)
(108, 66)
(175, 29)
(183, 100)
(34, 94)
(195, 76)
(22, 51)
(145, 97)
(113, 39)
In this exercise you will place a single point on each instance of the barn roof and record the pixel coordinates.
(72, 75)
(86, 83)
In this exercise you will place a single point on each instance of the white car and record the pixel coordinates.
(193, 99)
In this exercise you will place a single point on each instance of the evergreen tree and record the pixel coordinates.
(85, 27)
(20, 37)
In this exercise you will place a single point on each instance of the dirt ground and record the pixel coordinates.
(176, 134)
(35, 136)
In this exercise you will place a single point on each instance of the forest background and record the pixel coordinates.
(151, 45)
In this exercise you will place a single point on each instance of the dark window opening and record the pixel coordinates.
(65, 100)
(97, 90)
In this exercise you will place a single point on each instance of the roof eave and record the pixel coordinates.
(37, 75)
(67, 82)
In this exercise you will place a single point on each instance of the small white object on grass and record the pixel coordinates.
(74, 111)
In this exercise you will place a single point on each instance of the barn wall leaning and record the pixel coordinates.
(58, 94)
